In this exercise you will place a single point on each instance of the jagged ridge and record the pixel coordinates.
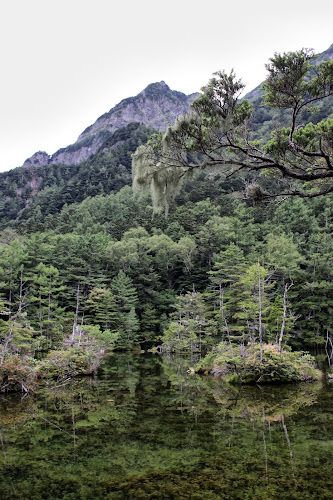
(156, 106)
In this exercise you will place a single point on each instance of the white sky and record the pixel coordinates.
(66, 62)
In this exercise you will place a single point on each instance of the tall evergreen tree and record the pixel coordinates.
(126, 299)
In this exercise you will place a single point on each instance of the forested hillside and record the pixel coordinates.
(80, 256)
(29, 194)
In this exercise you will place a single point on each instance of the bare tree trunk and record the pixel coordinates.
(232, 351)
(231, 430)
(221, 300)
(260, 312)
(286, 290)
(229, 340)
(221, 290)
(21, 292)
(265, 447)
(49, 313)
(76, 313)
(5, 347)
(289, 445)
(80, 330)
(329, 341)
(40, 312)
(10, 299)
(74, 433)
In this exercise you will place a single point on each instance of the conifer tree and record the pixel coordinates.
(125, 297)
(101, 308)
(45, 288)
(190, 327)
(225, 286)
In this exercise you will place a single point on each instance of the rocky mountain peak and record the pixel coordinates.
(158, 85)
(156, 106)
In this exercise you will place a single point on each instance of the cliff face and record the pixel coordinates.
(38, 159)
(155, 106)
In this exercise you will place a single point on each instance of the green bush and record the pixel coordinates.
(77, 360)
(243, 364)
(17, 374)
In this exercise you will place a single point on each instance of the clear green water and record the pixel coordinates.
(145, 429)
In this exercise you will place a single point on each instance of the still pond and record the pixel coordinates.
(144, 428)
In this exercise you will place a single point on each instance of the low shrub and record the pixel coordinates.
(17, 374)
(70, 362)
(241, 364)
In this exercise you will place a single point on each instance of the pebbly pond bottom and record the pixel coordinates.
(146, 429)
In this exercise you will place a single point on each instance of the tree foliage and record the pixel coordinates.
(217, 133)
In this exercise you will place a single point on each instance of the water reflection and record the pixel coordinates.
(146, 428)
(195, 393)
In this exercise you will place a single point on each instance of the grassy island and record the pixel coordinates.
(250, 364)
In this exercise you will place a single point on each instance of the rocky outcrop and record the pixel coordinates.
(38, 159)
(156, 106)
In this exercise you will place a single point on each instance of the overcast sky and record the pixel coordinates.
(66, 62)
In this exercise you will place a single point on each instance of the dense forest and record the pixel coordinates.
(86, 264)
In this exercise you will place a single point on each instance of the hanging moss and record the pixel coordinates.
(164, 181)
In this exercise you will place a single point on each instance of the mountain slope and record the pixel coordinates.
(36, 191)
(156, 106)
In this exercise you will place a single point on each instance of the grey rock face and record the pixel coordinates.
(156, 106)
(38, 159)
